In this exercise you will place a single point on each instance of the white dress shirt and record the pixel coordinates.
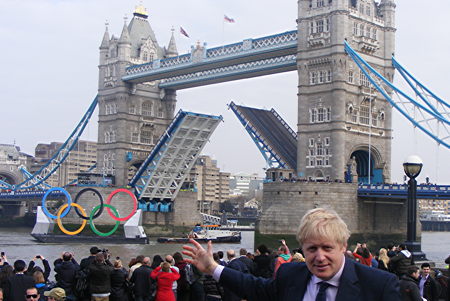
(312, 289)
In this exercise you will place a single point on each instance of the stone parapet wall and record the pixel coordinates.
(285, 203)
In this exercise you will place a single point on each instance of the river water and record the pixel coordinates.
(18, 244)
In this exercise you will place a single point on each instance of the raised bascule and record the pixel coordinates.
(340, 154)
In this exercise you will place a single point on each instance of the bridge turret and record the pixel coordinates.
(172, 47)
(124, 44)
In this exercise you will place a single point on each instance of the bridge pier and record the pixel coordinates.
(12, 208)
(376, 221)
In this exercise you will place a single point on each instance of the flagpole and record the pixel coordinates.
(223, 31)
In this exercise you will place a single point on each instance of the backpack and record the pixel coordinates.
(81, 288)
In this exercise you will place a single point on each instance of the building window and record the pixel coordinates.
(328, 116)
(321, 77)
(311, 142)
(350, 76)
(313, 116)
(319, 25)
(367, 33)
(374, 33)
(364, 81)
(107, 109)
(355, 29)
(114, 108)
(364, 113)
(327, 161)
(311, 151)
(327, 141)
(361, 29)
(361, 8)
(311, 162)
(135, 137)
(146, 136)
(319, 162)
(329, 76)
(368, 10)
(147, 108)
(145, 56)
(320, 3)
(311, 27)
(132, 109)
(320, 114)
(313, 78)
(319, 149)
(327, 25)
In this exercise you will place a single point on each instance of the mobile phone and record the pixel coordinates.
(38, 256)
(2, 254)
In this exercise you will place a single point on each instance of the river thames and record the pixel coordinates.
(18, 244)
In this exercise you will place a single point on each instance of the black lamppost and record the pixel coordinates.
(413, 166)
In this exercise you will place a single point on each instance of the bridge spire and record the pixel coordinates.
(125, 35)
(172, 47)
(105, 41)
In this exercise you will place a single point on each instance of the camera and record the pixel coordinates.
(117, 258)
(38, 256)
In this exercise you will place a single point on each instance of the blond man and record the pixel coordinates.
(325, 276)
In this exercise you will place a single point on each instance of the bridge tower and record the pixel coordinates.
(132, 117)
(343, 122)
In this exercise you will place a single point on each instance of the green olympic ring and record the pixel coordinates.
(91, 221)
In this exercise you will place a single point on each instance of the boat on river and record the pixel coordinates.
(205, 233)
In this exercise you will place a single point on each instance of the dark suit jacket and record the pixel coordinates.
(16, 287)
(358, 282)
(236, 265)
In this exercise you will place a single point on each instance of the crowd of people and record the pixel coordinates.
(102, 277)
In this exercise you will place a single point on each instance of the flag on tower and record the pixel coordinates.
(228, 19)
(183, 32)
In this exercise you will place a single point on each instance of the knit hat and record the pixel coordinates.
(56, 293)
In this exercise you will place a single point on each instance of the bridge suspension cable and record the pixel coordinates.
(431, 119)
(38, 178)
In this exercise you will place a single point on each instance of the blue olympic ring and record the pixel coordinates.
(69, 202)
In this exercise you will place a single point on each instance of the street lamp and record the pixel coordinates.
(413, 166)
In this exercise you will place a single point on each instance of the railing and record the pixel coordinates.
(424, 191)
(231, 50)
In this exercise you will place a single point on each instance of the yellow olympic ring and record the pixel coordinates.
(58, 219)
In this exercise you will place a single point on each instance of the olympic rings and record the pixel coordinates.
(69, 202)
(91, 220)
(58, 219)
(133, 197)
(101, 203)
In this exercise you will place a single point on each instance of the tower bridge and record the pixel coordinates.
(344, 127)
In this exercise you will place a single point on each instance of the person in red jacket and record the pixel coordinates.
(165, 276)
(284, 256)
(363, 254)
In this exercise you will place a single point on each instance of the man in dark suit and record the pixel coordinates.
(247, 261)
(326, 275)
(237, 265)
(17, 285)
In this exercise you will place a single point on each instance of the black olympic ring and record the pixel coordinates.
(101, 203)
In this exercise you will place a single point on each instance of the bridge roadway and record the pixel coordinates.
(249, 58)
(400, 191)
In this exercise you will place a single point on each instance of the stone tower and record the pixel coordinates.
(343, 122)
(132, 117)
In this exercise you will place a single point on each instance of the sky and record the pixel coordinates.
(49, 69)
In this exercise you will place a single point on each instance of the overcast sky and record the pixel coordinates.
(49, 57)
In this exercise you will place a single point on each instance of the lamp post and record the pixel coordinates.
(412, 167)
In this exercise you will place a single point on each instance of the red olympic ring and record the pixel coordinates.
(133, 197)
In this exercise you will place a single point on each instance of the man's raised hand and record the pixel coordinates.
(201, 258)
